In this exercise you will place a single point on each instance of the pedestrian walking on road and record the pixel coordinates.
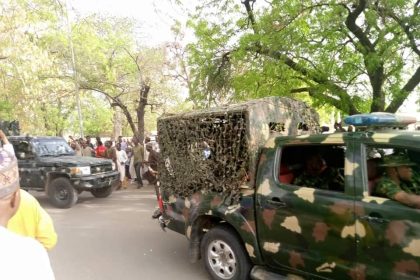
(121, 159)
(152, 162)
(138, 159)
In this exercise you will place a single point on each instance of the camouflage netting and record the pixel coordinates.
(216, 149)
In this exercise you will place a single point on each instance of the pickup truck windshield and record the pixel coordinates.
(52, 147)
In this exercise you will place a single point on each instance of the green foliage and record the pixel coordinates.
(27, 67)
(6, 110)
(38, 76)
(97, 116)
(341, 58)
(110, 62)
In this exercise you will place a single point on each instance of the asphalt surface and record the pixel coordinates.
(116, 238)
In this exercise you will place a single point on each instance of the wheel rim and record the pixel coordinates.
(62, 193)
(221, 259)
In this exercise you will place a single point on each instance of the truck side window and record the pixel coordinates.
(22, 147)
(392, 169)
(313, 166)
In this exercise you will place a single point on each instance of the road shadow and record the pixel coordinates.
(86, 198)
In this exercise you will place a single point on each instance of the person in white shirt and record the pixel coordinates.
(21, 257)
(121, 160)
(123, 143)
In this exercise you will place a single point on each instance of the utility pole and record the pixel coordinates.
(75, 74)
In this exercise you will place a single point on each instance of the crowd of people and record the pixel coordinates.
(135, 160)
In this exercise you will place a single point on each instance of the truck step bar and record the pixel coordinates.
(260, 273)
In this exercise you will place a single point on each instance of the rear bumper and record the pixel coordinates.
(96, 181)
(172, 223)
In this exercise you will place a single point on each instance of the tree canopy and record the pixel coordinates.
(357, 56)
(351, 56)
(121, 83)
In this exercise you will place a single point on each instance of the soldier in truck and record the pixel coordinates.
(400, 182)
(318, 173)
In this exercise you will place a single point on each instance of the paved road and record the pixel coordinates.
(116, 238)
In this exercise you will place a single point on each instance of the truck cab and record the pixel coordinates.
(49, 164)
(238, 187)
(337, 231)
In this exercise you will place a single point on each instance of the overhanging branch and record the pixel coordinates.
(404, 92)
(406, 28)
(355, 29)
(345, 100)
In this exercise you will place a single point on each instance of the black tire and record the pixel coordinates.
(61, 193)
(102, 192)
(229, 260)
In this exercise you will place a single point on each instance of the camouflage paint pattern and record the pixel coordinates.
(388, 188)
(190, 215)
(36, 172)
(349, 235)
(304, 231)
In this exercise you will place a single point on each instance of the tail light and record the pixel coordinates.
(160, 202)
(159, 198)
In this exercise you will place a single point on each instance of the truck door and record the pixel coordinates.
(29, 171)
(307, 227)
(391, 247)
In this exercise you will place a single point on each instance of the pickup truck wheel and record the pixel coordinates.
(224, 256)
(61, 193)
(102, 192)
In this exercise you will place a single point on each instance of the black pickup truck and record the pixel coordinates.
(49, 164)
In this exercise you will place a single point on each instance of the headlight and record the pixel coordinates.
(80, 170)
(113, 166)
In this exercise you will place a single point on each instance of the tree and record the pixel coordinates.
(37, 77)
(34, 86)
(112, 63)
(357, 56)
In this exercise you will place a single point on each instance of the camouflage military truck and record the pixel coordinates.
(227, 182)
(49, 164)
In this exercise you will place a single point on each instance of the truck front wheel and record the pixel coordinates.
(61, 193)
(224, 256)
(102, 192)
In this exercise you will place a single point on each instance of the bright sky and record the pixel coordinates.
(155, 17)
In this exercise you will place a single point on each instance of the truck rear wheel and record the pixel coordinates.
(102, 192)
(61, 193)
(224, 256)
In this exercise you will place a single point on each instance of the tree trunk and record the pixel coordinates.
(117, 130)
(47, 125)
(144, 94)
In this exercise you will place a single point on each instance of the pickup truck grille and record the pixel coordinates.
(100, 168)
